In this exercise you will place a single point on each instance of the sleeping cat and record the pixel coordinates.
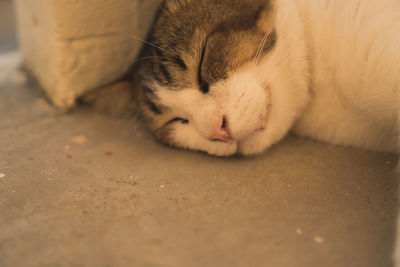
(234, 76)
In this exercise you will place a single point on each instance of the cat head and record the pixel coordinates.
(220, 77)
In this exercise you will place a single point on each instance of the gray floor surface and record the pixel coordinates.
(84, 189)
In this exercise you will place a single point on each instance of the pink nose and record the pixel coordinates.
(221, 133)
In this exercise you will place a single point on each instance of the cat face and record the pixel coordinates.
(211, 84)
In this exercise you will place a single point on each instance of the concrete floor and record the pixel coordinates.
(119, 198)
(84, 189)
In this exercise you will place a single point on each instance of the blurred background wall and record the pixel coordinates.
(8, 41)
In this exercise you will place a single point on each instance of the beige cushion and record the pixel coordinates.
(73, 46)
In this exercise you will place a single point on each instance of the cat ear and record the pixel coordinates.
(266, 18)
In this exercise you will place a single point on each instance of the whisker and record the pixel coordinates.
(149, 57)
(260, 49)
(265, 38)
(146, 42)
(137, 38)
(257, 59)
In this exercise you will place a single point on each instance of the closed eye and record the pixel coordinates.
(204, 86)
(179, 61)
(176, 120)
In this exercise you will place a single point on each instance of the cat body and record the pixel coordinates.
(235, 76)
(354, 72)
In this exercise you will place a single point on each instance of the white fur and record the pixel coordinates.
(355, 72)
(333, 75)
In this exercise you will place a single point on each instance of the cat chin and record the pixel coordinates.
(223, 150)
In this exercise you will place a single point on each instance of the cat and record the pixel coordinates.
(235, 76)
